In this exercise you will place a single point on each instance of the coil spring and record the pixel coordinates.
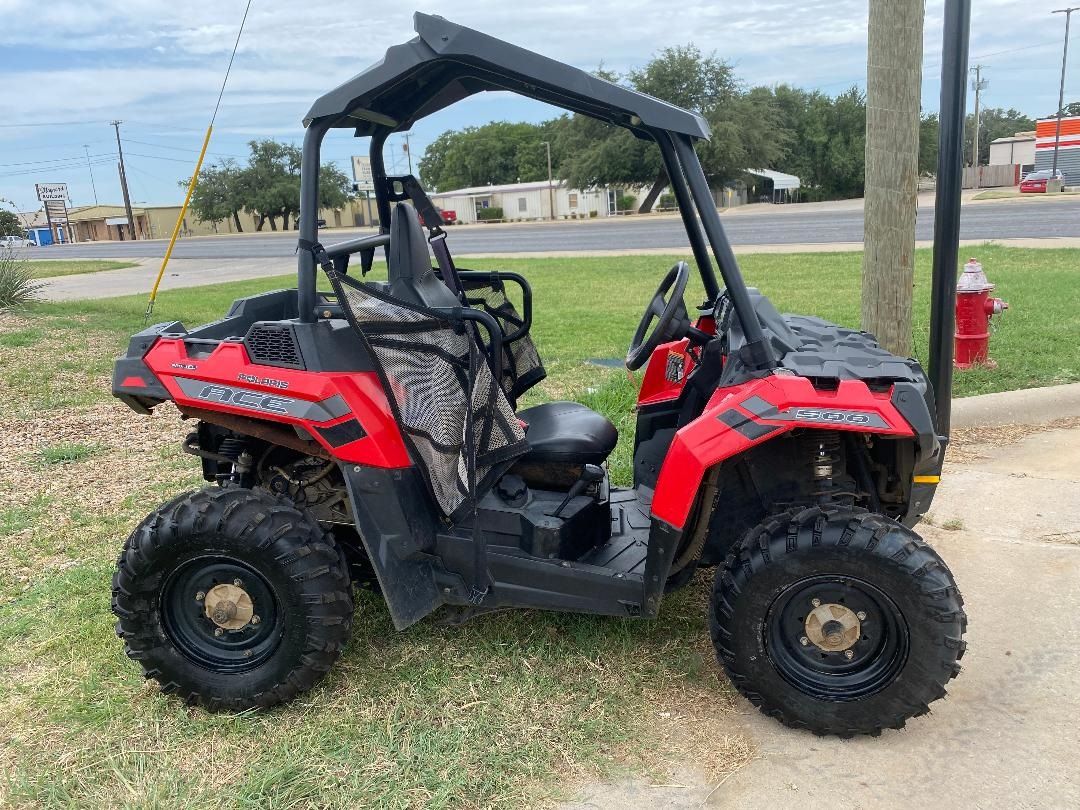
(824, 455)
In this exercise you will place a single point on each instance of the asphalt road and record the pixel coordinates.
(811, 224)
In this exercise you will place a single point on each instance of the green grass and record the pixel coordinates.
(68, 452)
(50, 268)
(503, 712)
(995, 194)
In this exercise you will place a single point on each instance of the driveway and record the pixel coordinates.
(1007, 735)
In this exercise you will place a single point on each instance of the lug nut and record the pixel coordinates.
(255, 619)
(849, 654)
(804, 641)
(238, 583)
(815, 602)
(861, 615)
(218, 631)
(200, 596)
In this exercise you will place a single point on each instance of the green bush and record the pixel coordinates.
(626, 202)
(18, 287)
(666, 201)
(594, 214)
(488, 214)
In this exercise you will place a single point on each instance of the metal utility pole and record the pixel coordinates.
(978, 84)
(893, 89)
(1061, 91)
(86, 149)
(954, 57)
(551, 187)
(123, 183)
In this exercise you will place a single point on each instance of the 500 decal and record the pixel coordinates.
(835, 417)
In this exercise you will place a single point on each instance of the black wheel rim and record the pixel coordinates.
(876, 657)
(195, 635)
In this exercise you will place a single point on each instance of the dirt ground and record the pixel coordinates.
(1007, 520)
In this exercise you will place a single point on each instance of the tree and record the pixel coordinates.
(218, 195)
(929, 128)
(1069, 109)
(270, 184)
(335, 187)
(10, 224)
(496, 153)
(893, 88)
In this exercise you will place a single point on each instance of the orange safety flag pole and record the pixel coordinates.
(179, 222)
(195, 175)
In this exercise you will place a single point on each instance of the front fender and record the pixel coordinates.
(742, 416)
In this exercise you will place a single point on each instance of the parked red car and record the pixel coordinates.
(1035, 183)
(448, 217)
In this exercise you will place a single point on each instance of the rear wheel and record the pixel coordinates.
(838, 621)
(232, 598)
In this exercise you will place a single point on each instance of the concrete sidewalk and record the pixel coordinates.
(1007, 735)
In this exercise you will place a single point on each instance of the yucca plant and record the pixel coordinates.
(18, 287)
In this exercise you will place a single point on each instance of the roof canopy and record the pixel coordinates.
(448, 62)
(779, 180)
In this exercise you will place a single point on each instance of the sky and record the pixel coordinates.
(69, 68)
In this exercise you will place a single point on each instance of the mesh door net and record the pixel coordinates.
(522, 367)
(454, 417)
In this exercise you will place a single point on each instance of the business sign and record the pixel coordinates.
(51, 191)
(361, 172)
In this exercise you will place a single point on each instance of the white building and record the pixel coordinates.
(530, 201)
(1019, 150)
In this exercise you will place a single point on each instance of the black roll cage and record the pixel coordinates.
(448, 62)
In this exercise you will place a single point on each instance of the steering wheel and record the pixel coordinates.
(667, 306)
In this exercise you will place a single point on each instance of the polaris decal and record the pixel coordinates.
(269, 382)
(330, 408)
(186, 366)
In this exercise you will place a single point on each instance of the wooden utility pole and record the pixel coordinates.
(124, 183)
(978, 84)
(893, 89)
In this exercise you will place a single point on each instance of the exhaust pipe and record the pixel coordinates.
(954, 69)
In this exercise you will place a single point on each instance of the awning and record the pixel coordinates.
(779, 180)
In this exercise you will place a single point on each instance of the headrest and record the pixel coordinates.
(408, 256)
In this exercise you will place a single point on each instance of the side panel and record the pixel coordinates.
(742, 416)
(347, 412)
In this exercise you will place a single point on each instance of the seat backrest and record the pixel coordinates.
(408, 263)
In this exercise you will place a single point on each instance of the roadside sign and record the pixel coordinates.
(361, 172)
(51, 191)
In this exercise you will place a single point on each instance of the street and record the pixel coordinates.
(768, 225)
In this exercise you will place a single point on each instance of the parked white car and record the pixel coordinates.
(15, 242)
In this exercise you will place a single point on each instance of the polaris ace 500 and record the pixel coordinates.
(368, 435)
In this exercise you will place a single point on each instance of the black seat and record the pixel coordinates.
(558, 432)
(567, 433)
(408, 263)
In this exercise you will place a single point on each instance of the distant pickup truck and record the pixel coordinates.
(448, 217)
(12, 242)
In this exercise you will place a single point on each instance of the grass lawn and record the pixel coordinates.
(50, 268)
(1001, 194)
(505, 711)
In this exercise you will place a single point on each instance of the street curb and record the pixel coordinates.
(1029, 406)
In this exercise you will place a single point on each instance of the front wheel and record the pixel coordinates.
(232, 599)
(838, 621)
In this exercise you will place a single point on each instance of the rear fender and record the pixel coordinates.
(740, 417)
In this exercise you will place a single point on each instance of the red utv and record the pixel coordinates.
(368, 435)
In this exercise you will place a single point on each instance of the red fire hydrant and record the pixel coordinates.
(974, 308)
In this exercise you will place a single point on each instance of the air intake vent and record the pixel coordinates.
(273, 344)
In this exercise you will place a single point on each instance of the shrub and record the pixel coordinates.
(18, 287)
(666, 201)
(488, 214)
(594, 214)
(626, 202)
